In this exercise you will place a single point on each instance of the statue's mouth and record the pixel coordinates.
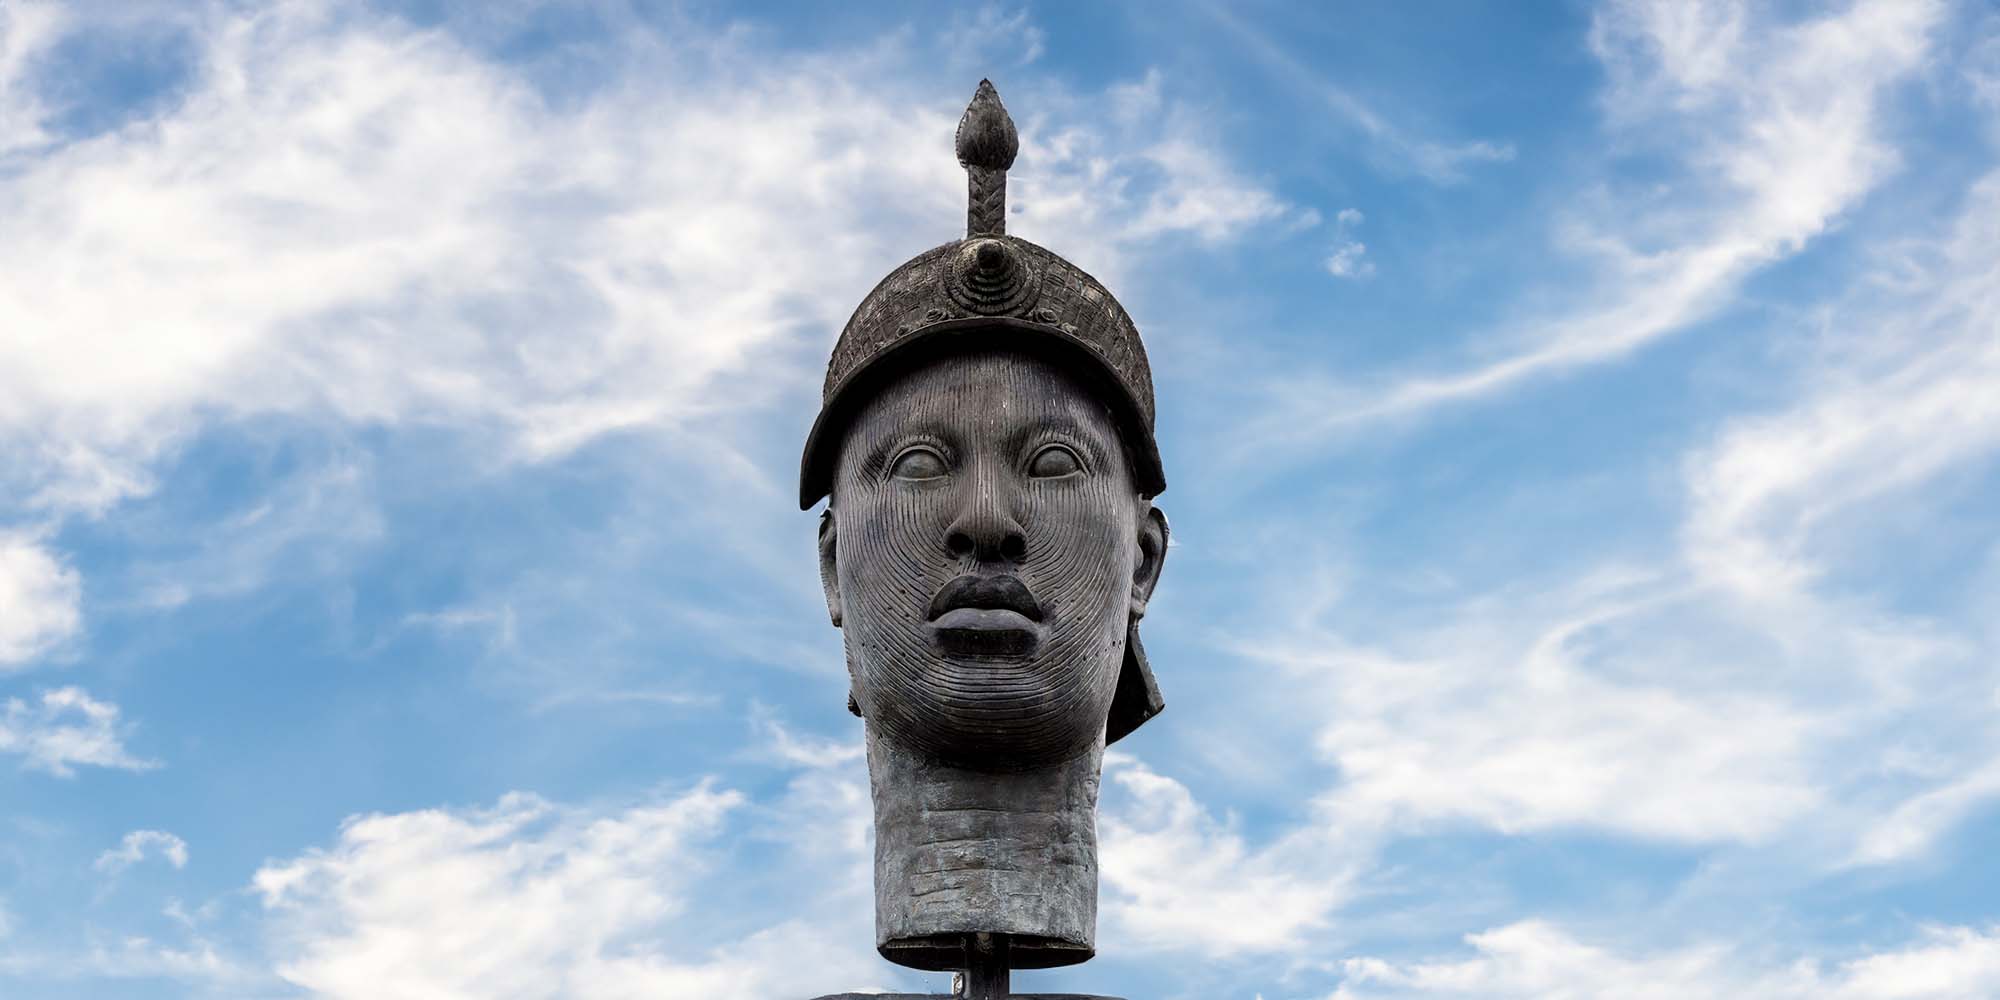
(990, 593)
(986, 616)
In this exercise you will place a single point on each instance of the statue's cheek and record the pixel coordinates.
(891, 530)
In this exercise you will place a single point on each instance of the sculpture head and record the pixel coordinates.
(986, 554)
(990, 544)
(972, 348)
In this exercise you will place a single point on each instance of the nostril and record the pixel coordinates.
(958, 542)
(1014, 547)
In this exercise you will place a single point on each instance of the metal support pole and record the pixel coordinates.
(986, 971)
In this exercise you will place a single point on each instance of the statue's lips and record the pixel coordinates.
(988, 593)
(986, 616)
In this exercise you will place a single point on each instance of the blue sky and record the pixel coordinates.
(1580, 425)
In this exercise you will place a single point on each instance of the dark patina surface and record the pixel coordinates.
(990, 544)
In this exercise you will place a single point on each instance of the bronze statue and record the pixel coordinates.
(990, 543)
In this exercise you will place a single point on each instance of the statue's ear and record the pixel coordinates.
(829, 578)
(1152, 555)
(829, 581)
(1137, 697)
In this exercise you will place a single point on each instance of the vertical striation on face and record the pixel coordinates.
(985, 518)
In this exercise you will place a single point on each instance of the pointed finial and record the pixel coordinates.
(987, 144)
(986, 136)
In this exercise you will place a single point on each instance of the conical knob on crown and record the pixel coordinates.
(988, 278)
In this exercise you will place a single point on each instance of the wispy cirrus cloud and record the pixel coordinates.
(65, 728)
(1817, 711)
(995, 33)
(1745, 689)
(1770, 132)
(1907, 388)
(1438, 161)
(1790, 512)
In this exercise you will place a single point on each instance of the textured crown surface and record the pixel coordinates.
(948, 283)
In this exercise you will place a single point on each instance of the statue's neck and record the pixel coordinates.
(959, 852)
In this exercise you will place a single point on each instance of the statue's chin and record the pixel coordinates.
(988, 689)
(988, 732)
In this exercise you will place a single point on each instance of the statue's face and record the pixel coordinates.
(986, 554)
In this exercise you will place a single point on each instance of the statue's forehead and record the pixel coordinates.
(994, 389)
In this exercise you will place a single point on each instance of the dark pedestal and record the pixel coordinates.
(952, 996)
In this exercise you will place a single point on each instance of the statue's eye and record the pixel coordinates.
(1054, 462)
(918, 463)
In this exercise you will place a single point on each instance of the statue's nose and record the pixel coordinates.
(984, 529)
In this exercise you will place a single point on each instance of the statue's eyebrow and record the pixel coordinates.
(1064, 425)
(892, 436)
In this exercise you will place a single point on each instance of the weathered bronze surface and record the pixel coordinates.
(989, 547)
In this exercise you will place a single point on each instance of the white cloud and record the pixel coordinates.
(141, 957)
(1102, 179)
(1796, 705)
(1982, 69)
(65, 728)
(498, 624)
(135, 847)
(309, 523)
(347, 221)
(1799, 512)
(1771, 131)
(1816, 712)
(776, 740)
(1914, 823)
(1956, 962)
(994, 35)
(1544, 708)
(1770, 691)
(40, 599)
(527, 899)
(349, 217)
(1534, 959)
(825, 819)
(1176, 879)
(1530, 711)
(1671, 54)
(193, 960)
(1909, 389)
(1350, 256)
